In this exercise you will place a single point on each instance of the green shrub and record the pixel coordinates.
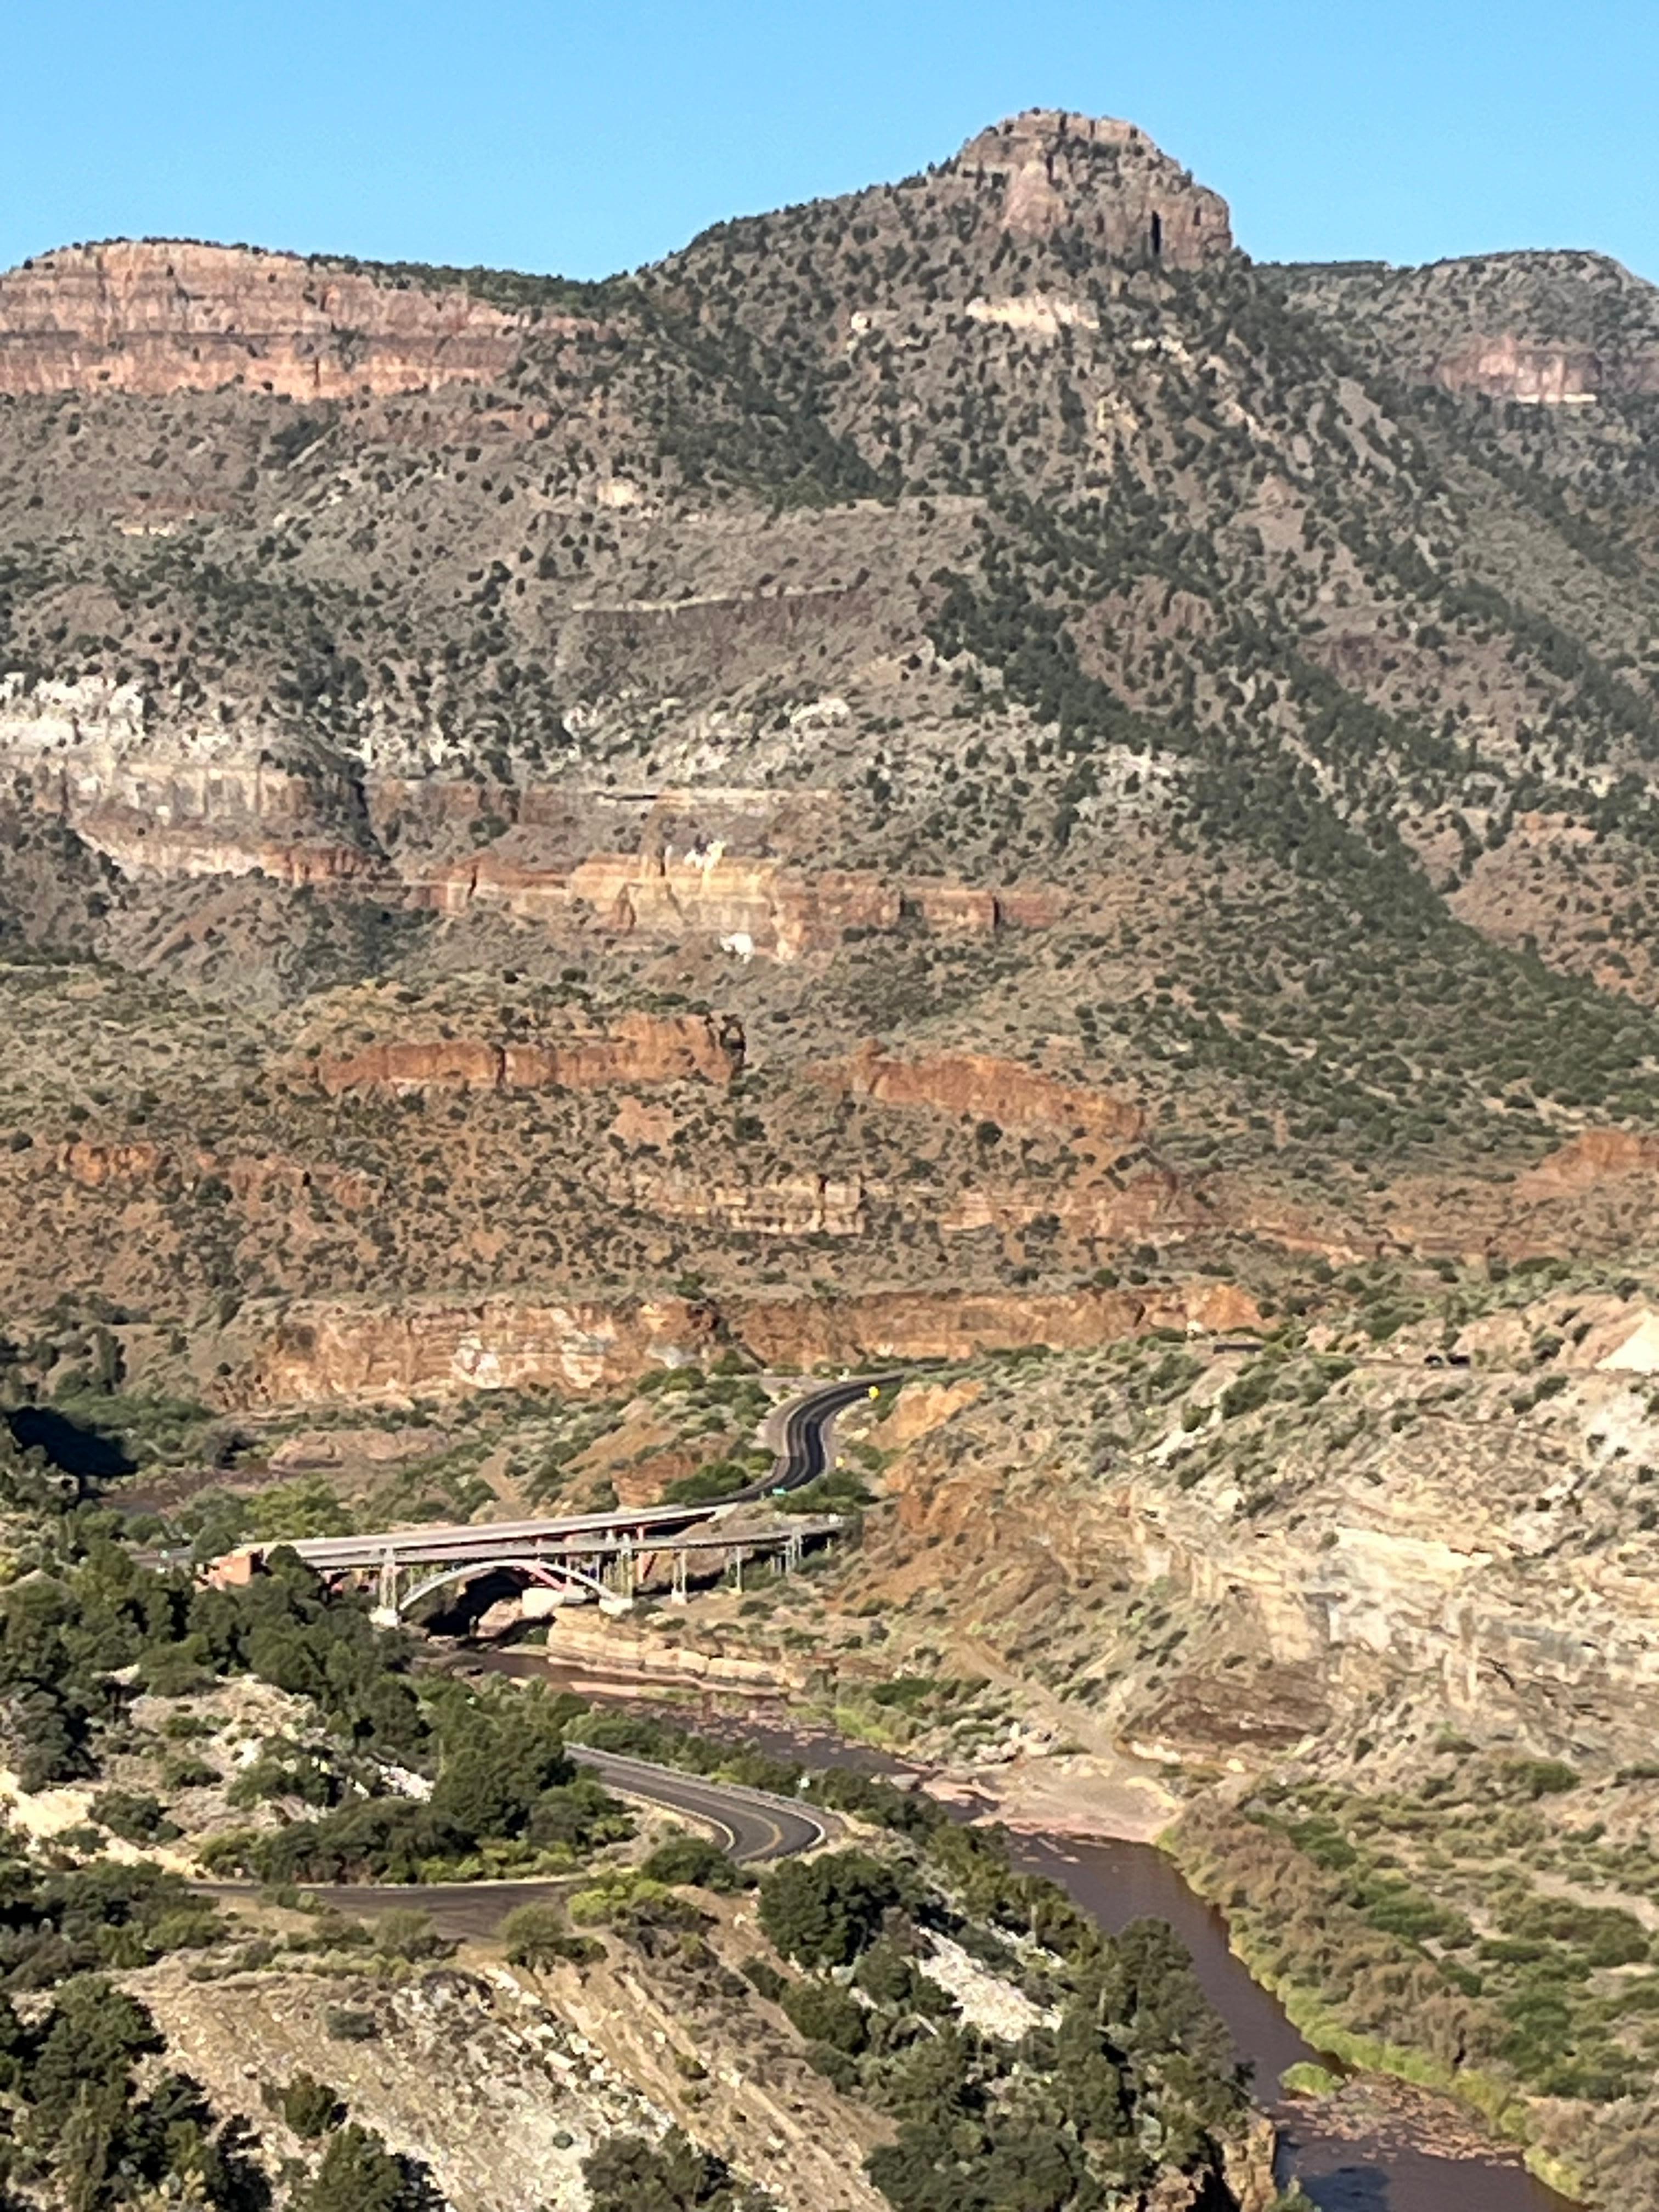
(628, 2174)
(406, 1933)
(1247, 1391)
(886, 1974)
(1535, 1777)
(136, 1816)
(308, 2107)
(824, 1911)
(358, 2174)
(1305, 2079)
(839, 2068)
(826, 2014)
(285, 1770)
(762, 1976)
(695, 1860)
(577, 1816)
(631, 1902)
(189, 1774)
(535, 1935)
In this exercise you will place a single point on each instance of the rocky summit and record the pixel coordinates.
(960, 778)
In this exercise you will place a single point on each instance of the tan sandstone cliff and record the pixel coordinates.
(333, 1350)
(159, 315)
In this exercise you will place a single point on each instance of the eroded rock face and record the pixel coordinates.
(1055, 170)
(1428, 1554)
(637, 1048)
(799, 1333)
(158, 316)
(751, 905)
(1598, 1155)
(326, 1352)
(1507, 365)
(209, 801)
(1006, 1091)
(803, 1205)
(255, 1180)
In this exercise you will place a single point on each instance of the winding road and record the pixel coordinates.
(804, 1445)
(802, 1454)
(750, 1824)
(753, 1826)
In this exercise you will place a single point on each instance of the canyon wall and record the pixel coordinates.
(1487, 1568)
(1007, 1091)
(790, 1334)
(749, 905)
(322, 1351)
(644, 1049)
(157, 316)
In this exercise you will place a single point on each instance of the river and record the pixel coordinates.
(1385, 2170)
(1397, 2160)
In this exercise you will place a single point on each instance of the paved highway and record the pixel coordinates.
(804, 1452)
(753, 1826)
(802, 1456)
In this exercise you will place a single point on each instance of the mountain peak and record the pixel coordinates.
(1060, 170)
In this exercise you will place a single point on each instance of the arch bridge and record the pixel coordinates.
(608, 1566)
(610, 1557)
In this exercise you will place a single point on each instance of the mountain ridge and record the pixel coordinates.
(954, 773)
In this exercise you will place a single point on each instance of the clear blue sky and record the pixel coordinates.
(587, 138)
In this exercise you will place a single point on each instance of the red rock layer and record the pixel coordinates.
(159, 316)
(1005, 1091)
(638, 1049)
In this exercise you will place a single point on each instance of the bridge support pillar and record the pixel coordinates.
(679, 1594)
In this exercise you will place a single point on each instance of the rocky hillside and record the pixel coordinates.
(954, 772)
(1361, 1621)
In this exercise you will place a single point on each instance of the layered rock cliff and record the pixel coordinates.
(321, 1352)
(1008, 1092)
(1369, 1545)
(1054, 171)
(316, 1354)
(639, 1049)
(154, 316)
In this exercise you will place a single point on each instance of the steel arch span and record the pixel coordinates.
(553, 1573)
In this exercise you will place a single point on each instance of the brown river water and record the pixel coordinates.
(1400, 2167)
(1367, 2152)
